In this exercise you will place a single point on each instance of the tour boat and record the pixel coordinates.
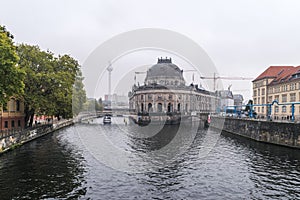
(107, 119)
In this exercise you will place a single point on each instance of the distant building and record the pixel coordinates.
(12, 115)
(281, 83)
(226, 100)
(165, 91)
(116, 101)
(238, 101)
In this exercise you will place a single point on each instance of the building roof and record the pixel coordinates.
(273, 72)
(164, 68)
(287, 75)
(172, 88)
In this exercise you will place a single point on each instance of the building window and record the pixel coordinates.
(170, 97)
(159, 97)
(170, 107)
(12, 123)
(270, 90)
(19, 123)
(12, 105)
(284, 88)
(258, 109)
(293, 86)
(263, 100)
(277, 97)
(258, 92)
(292, 97)
(283, 109)
(270, 99)
(255, 93)
(276, 109)
(254, 101)
(263, 91)
(290, 109)
(284, 98)
(18, 105)
(149, 97)
(262, 109)
(142, 97)
(6, 124)
(149, 107)
(159, 107)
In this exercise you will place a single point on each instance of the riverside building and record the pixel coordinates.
(165, 93)
(12, 115)
(281, 83)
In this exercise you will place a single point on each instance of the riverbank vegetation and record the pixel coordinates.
(49, 85)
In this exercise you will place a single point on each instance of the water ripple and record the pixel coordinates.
(60, 166)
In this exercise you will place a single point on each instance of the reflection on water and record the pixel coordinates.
(45, 168)
(62, 166)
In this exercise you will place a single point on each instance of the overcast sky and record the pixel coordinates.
(242, 38)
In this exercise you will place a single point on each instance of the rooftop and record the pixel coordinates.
(280, 74)
(164, 68)
(273, 72)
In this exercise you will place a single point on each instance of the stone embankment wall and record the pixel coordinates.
(280, 133)
(11, 140)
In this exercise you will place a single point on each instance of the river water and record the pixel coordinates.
(118, 161)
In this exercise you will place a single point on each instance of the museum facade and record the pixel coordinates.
(165, 92)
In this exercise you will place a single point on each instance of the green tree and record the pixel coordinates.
(67, 69)
(12, 76)
(38, 66)
(79, 95)
(100, 104)
(49, 82)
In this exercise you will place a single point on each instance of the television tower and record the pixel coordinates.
(109, 69)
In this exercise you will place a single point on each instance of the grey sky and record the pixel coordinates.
(242, 38)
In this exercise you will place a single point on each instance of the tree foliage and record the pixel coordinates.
(48, 83)
(12, 76)
(79, 95)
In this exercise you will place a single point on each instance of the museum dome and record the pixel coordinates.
(165, 73)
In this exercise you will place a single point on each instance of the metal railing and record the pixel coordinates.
(269, 110)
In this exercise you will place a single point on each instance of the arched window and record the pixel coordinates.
(170, 107)
(159, 107)
(149, 107)
(283, 109)
(178, 107)
(18, 105)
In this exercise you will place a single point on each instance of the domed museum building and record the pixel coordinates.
(165, 93)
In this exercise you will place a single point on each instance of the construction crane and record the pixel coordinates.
(215, 78)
